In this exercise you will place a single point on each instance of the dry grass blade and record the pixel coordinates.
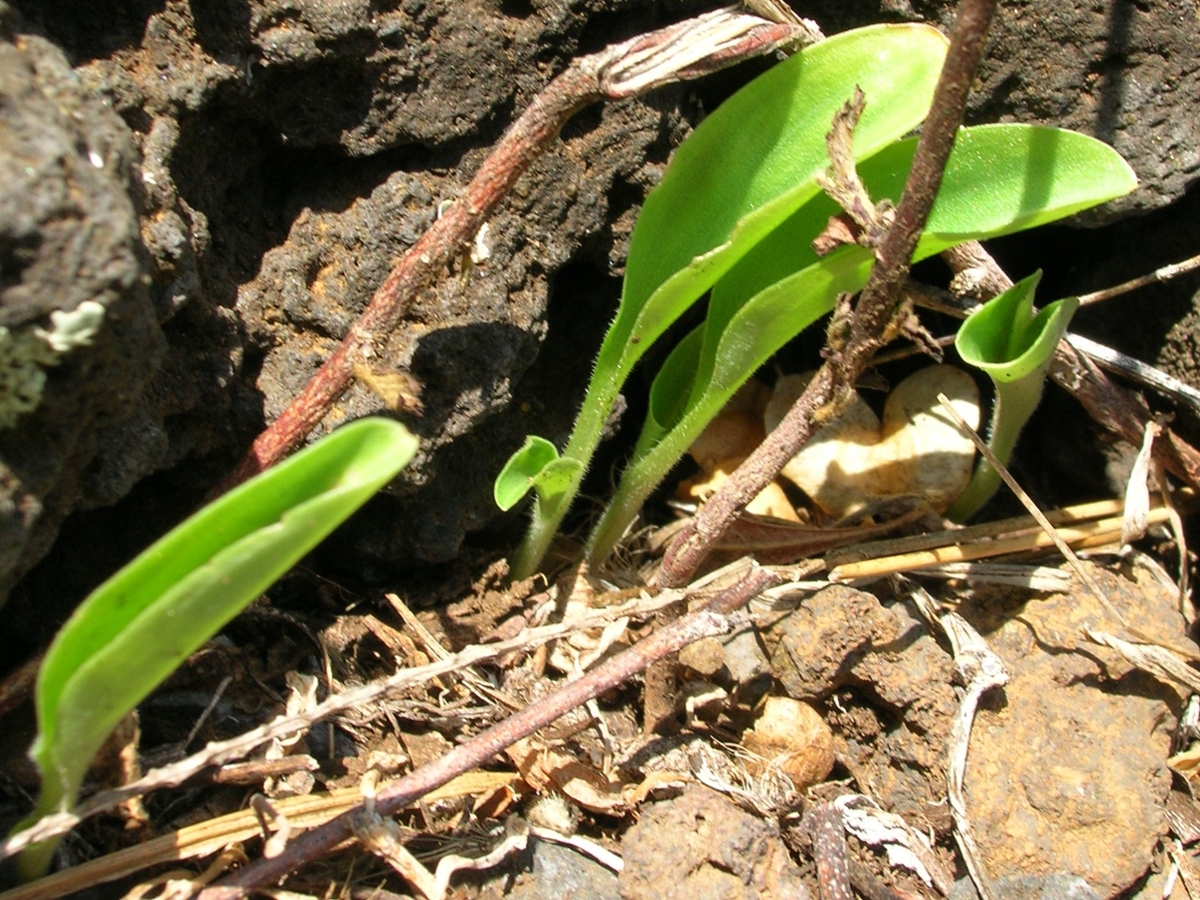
(1136, 370)
(1003, 538)
(1137, 492)
(1163, 274)
(1160, 661)
(217, 834)
(716, 616)
(982, 670)
(1027, 501)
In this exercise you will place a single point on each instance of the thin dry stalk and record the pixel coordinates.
(879, 315)
(219, 752)
(981, 670)
(712, 618)
(209, 837)
(1046, 525)
(684, 51)
(1156, 277)
(1086, 535)
(829, 851)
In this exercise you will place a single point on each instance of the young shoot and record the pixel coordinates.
(736, 214)
(1014, 346)
(137, 627)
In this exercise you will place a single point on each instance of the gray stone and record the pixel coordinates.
(560, 873)
(1058, 886)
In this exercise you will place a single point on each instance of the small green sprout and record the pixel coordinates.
(138, 626)
(1014, 346)
(744, 170)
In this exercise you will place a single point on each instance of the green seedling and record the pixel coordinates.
(536, 465)
(985, 193)
(1014, 346)
(747, 168)
(736, 214)
(138, 626)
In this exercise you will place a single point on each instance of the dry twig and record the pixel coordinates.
(206, 838)
(1156, 277)
(879, 315)
(979, 669)
(219, 752)
(688, 50)
(711, 619)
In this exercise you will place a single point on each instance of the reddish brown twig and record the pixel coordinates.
(829, 851)
(710, 619)
(1120, 411)
(879, 314)
(687, 50)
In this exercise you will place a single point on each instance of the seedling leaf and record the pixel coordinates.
(780, 287)
(138, 626)
(744, 170)
(1014, 347)
(522, 470)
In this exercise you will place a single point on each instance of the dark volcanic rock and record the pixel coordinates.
(290, 150)
(68, 235)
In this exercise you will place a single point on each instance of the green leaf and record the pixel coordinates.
(744, 170)
(519, 474)
(777, 313)
(1010, 178)
(556, 478)
(138, 626)
(1005, 339)
(671, 389)
(1034, 175)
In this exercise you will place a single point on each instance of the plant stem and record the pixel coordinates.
(1014, 402)
(876, 320)
(710, 619)
(687, 50)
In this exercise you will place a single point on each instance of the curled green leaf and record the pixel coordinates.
(1014, 346)
(521, 472)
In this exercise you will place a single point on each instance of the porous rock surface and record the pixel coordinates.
(1066, 771)
(701, 844)
(69, 234)
(885, 686)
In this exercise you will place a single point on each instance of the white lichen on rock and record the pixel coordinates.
(26, 353)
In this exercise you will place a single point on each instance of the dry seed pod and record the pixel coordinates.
(793, 736)
(916, 450)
